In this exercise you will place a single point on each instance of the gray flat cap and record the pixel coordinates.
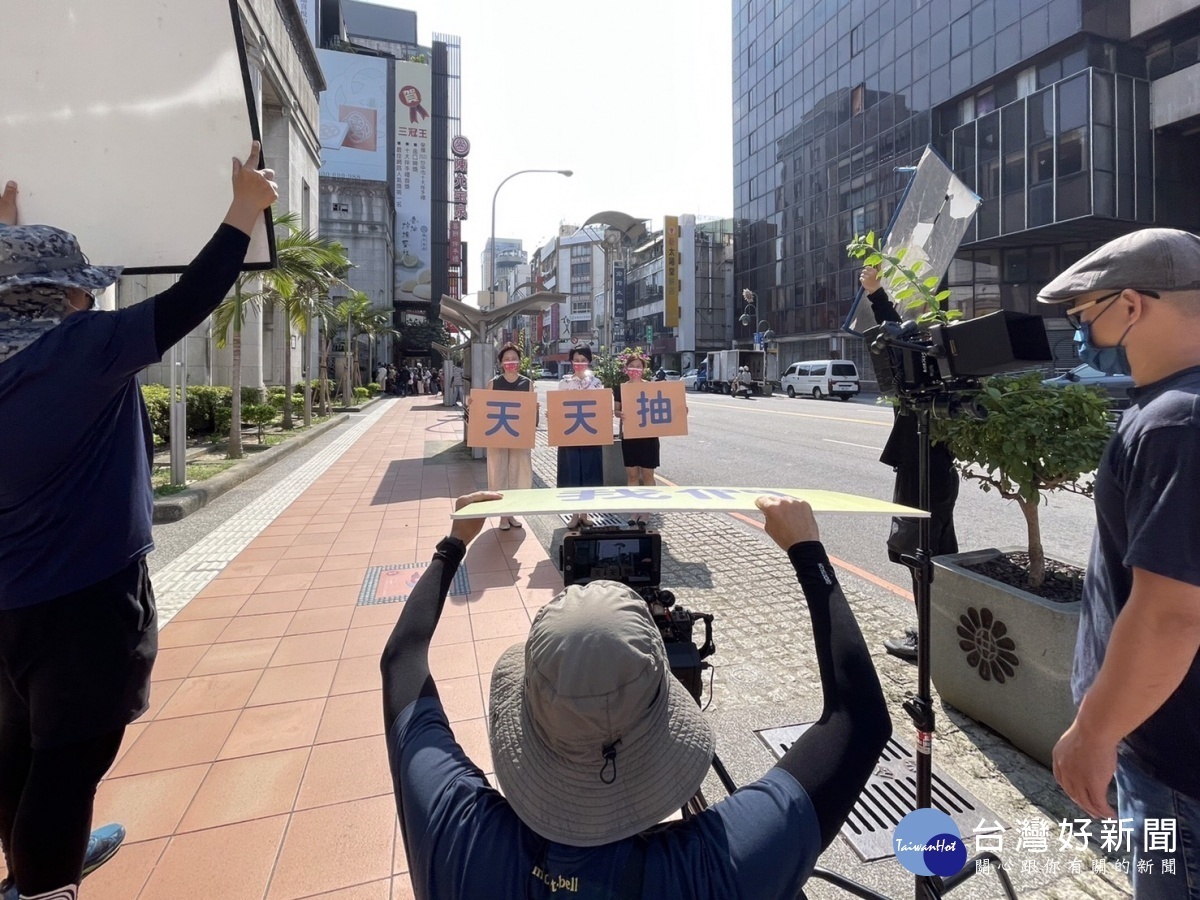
(1152, 259)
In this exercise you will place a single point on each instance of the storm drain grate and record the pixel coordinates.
(602, 520)
(890, 794)
(393, 584)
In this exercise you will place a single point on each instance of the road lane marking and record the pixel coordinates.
(852, 444)
(840, 563)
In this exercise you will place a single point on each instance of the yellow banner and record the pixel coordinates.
(552, 501)
(671, 274)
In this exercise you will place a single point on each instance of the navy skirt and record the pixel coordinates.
(580, 467)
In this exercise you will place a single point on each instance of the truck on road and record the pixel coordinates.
(723, 366)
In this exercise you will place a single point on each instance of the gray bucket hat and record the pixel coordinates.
(593, 740)
(1151, 259)
(41, 254)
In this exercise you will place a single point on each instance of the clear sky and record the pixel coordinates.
(634, 96)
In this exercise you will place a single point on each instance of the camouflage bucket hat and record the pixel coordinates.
(40, 254)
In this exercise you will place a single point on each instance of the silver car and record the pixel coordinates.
(1116, 387)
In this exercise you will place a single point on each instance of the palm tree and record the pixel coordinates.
(232, 314)
(377, 323)
(347, 314)
(308, 267)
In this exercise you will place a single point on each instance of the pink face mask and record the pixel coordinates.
(634, 374)
(580, 367)
(510, 365)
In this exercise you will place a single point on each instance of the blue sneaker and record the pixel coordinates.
(102, 846)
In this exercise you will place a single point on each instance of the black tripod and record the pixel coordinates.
(920, 705)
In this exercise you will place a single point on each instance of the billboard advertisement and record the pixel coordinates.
(354, 116)
(671, 271)
(414, 179)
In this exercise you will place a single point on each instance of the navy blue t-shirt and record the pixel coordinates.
(76, 502)
(1148, 517)
(464, 841)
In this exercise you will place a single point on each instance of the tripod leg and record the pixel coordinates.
(970, 870)
(723, 774)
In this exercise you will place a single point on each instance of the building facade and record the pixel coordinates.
(1074, 121)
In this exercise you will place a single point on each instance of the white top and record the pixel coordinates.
(572, 383)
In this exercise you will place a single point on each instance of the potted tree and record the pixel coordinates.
(1004, 621)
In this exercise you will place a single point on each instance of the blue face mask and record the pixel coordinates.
(1109, 360)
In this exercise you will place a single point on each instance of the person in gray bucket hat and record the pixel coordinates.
(594, 743)
(78, 627)
(1135, 307)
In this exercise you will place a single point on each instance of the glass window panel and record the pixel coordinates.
(983, 61)
(1041, 116)
(1102, 98)
(1072, 152)
(1074, 197)
(1008, 46)
(960, 69)
(939, 48)
(1073, 103)
(1041, 204)
(1104, 193)
(1016, 266)
(1041, 163)
(1042, 267)
(960, 36)
(988, 219)
(1102, 148)
(989, 136)
(1012, 212)
(1073, 62)
(964, 149)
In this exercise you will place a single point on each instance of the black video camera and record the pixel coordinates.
(633, 557)
(944, 361)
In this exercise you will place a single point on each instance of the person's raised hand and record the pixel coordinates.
(466, 530)
(254, 190)
(788, 521)
(869, 279)
(8, 204)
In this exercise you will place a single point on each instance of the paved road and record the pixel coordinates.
(831, 445)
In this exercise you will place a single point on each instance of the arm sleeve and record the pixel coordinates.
(201, 287)
(882, 308)
(834, 757)
(405, 662)
(1161, 505)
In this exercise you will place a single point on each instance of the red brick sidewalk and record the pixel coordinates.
(260, 770)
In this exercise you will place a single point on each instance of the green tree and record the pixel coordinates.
(229, 318)
(299, 287)
(348, 314)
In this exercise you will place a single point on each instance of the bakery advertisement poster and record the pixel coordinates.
(354, 119)
(414, 126)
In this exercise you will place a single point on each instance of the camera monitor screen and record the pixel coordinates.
(633, 559)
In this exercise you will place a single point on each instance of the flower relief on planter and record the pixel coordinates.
(989, 650)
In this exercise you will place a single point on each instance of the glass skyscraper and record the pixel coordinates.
(1043, 107)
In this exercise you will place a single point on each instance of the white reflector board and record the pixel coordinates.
(119, 119)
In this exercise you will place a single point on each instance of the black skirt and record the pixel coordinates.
(640, 452)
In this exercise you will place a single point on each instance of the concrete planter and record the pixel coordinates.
(1001, 655)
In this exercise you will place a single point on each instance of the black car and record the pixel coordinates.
(1116, 387)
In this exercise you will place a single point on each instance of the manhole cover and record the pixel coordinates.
(393, 584)
(891, 793)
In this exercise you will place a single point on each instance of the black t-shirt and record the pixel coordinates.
(1148, 517)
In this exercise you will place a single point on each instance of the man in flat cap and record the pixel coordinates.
(1135, 305)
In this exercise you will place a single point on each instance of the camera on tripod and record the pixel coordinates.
(633, 557)
(941, 363)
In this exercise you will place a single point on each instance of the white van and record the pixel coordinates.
(821, 378)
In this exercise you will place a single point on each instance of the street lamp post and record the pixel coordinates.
(492, 259)
(748, 317)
